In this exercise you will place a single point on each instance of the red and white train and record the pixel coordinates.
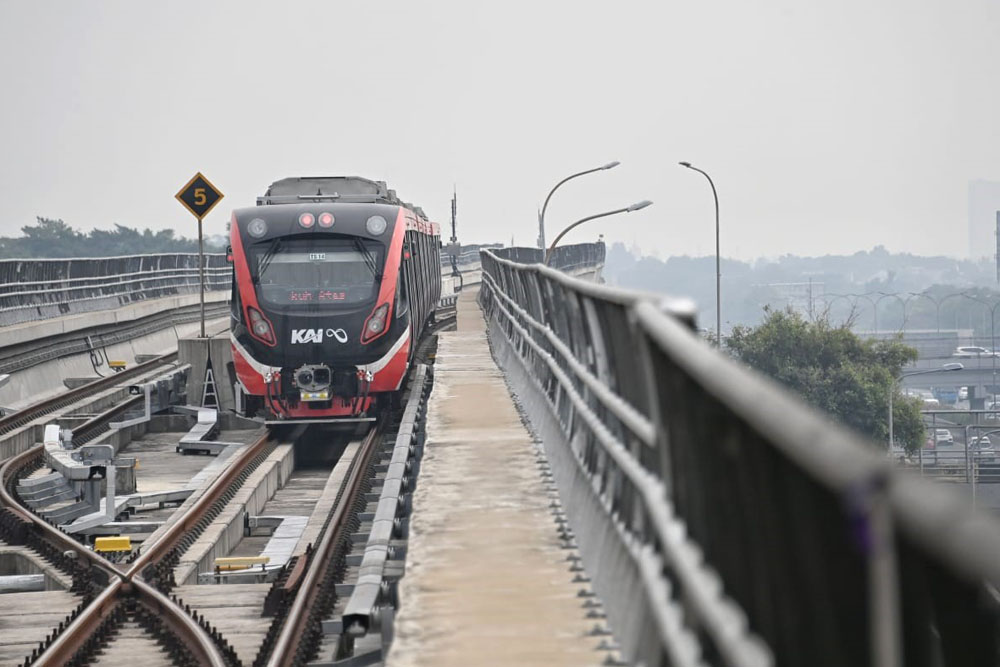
(334, 281)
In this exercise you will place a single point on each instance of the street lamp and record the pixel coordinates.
(628, 209)
(902, 302)
(718, 265)
(892, 390)
(938, 303)
(541, 216)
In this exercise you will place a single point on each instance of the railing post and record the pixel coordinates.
(883, 579)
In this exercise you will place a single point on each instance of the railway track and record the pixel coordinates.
(27, 415)
(139, 593)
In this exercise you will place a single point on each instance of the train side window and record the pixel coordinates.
(235, 305)
(402, 294)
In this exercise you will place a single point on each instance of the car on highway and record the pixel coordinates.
(943, 436)
(972, 352)
(982, 449)
(963, 393)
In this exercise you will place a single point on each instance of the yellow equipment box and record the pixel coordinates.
(110, 544)
(240, 562)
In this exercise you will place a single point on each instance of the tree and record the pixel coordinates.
(54, 238)
(833, 369)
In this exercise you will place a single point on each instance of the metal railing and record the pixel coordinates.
(39, 289)
(468, 254)
(724, 522)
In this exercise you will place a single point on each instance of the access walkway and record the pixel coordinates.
(488, 580)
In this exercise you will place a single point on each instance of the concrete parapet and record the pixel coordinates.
(33, 331)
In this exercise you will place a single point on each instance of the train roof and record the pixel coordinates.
(303, 189)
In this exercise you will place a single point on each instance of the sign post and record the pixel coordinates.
(199, 196)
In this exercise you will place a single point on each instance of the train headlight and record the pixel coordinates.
(375, 324)
(307, 220)
(257, 228)
(376, 225)
(326, 219)
(260, 327)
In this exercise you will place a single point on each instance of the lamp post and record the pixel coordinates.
(874, 309)
(902, 302)
(938, 303)
(541, 216)
(892, 391)
(718, 261)
(628, 209)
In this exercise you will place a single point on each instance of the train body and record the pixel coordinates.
(334, 281)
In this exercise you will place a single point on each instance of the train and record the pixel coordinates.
(335, 280)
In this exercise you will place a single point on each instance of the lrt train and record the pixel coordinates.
(334, 281)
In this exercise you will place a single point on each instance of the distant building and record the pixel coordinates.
(984, 203)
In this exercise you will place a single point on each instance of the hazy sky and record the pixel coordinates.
(828, 126)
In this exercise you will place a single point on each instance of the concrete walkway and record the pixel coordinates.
(486, 582)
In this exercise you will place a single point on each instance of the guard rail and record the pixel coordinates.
(724, 522)
(39, 289)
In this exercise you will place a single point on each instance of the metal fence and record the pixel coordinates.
(563, 257)
(38, 289)
(722, 521)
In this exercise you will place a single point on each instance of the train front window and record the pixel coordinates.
(334, 272)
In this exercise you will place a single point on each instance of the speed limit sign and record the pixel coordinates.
(199, 196)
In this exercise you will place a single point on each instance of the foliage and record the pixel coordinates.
(54, 238)
(835, 370)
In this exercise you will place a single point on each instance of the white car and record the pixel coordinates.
(983, 448)
(972, 351)
(943, 436)
(963, 393)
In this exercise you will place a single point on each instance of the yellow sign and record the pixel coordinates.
(199, 196)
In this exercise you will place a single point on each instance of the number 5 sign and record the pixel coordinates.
(199, 196)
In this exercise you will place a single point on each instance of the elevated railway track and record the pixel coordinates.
(139, 592)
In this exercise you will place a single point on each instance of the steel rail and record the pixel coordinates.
(28, 414)
(197, 639)
(187, 522)
(67, 643)
(10, 468)
(96, 426)
(292, 634)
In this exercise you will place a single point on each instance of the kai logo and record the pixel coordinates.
(300, 336)
(307, 336)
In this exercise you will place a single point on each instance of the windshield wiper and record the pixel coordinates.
(265, 261)
(368, 257)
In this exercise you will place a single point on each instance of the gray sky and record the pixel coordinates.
(828, 127)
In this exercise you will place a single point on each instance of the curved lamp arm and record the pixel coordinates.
(628, 209)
